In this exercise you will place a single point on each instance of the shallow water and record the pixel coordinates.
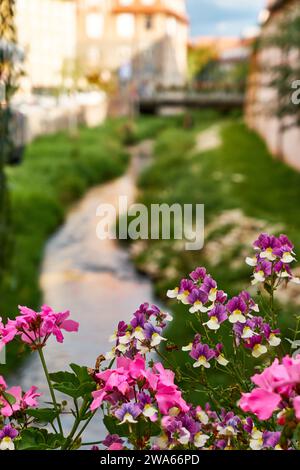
(93, 279)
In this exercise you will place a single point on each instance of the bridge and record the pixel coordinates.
(221, 101)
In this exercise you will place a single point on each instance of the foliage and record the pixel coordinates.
(55, 172)
(144, 405)
(284, 44)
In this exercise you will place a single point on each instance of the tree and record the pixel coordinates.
(8, 86)
(284, 72)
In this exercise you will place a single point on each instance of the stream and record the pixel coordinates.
(94, 279)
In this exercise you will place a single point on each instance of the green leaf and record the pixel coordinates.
(60, 377)
(43, 415)
(9, 398)
(143, 428)
(38, 439)
(77, 384)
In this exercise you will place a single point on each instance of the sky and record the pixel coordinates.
(223, 17)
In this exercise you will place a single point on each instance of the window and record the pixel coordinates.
(148, 22)
(94, 25)
(125, 25)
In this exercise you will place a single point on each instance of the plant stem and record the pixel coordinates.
(85, 426)
(77, 421)
(42, 358)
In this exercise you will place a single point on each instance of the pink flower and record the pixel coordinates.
(167, 393)
(35, 328)
(296, 403)
(22, 400)
(115, 446)
(275, 383)
(261, 402)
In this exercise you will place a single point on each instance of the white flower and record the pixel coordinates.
(7, 444)
(128, 418)
(247, 333)
(200, 440)
(256, 441)
(173, 293)
(138, 333)
(183, 297)
(213, 324)
(268, 254)
(213, 294)
(237, 317)
(149, 411)
(287, 257)
(259, 350)
(184, 436)
(198, 307)
(274, 340)
(259, 276)
(156, 339)
(125, 339)
(202, 417)
(251, 261)
(202, 361)
(222, 361)
(188, 347)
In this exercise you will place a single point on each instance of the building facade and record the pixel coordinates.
(282, 139)
(138, 40)
(142, 40)
(47, 33)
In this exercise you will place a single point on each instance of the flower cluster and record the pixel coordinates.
(272, 260)
(142, 334)
(147, 402)
(34, 328)
(277, 390)
(207, 430)
(20, 401)
(201, 293)
(135, 392)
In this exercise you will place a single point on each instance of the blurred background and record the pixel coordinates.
(161, 101)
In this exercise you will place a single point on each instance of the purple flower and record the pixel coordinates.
(128, 413)
(217, 316)
(197, 298)
(262, 271)
(248, 426)
(185, 288)
(271, 335)
(202, 355)
(219, 355)
(271, 439)
(138, 320)
(255, 344)
(221, 297)
(198, 274)
(210, 286)
(237, 309)
(112, 439)
(153, 334)
(8, 431)
(7, 435)
(267, 243)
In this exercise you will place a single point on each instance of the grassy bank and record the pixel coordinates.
(56, 171)
(244, 190)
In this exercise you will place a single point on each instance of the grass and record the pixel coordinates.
(239, 174)
(56, 171)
